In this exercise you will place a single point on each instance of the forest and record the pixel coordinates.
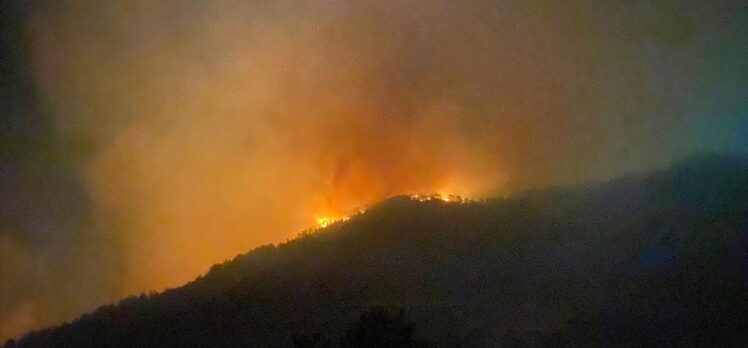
(650, 259)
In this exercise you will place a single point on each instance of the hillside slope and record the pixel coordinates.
(649, 260)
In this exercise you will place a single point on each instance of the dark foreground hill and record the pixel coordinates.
(649, 260)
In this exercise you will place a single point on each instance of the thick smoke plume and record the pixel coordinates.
(198, 130)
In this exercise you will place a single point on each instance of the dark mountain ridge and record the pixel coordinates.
(655, 259)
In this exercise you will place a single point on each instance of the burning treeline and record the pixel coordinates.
(202, 129)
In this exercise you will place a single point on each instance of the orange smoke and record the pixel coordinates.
(244, 128)
(196, 201)
(18, 321)
(201, 129)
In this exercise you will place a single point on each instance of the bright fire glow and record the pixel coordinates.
(444, 197)
(323, 222)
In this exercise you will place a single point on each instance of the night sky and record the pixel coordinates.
(143, 141)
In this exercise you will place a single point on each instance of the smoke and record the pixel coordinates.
(17, 316)
(242, 125)
(202, 129)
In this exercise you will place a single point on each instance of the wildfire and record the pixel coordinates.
(327, 220)
(323, 222)
(443, 197)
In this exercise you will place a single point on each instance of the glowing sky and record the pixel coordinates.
(143, 141)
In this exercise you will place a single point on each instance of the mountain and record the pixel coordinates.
(654, 259)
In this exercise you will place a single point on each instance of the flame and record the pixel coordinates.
(323, 222)
(270, 142)
(443, 197)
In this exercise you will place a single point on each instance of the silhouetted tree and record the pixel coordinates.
(381, 328)
(313, 341)
(377, 327)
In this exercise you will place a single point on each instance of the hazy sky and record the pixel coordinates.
(143, 141)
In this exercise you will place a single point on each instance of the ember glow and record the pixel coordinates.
(150, 140)
(447, 198)
(323, 222)
(443, 197)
